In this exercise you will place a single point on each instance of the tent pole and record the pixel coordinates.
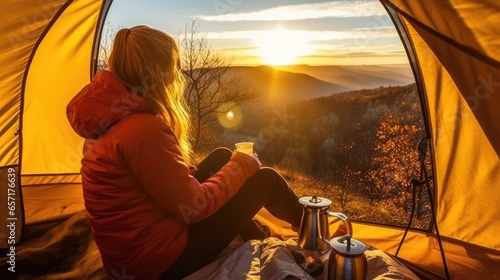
(422, 146)
(97, 37)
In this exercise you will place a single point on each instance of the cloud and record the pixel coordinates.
(309, 35)
(341, 9)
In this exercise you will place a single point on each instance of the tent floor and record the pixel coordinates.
(57, 239)
(51, 202)
(64, 249)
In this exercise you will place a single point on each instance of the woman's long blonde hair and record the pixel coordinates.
(147, 61)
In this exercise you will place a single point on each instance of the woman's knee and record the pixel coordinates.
(269, 173)
(268, 178)
(222, 151)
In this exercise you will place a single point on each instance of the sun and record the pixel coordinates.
(282, 46)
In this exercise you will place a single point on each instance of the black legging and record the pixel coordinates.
(209, 237)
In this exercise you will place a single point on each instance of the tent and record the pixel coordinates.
(48, 51)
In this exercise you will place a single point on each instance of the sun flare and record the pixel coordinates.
(230, 115)
(282, 46)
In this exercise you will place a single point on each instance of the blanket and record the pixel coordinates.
(275, 259)
(61, 249)
(66, 250)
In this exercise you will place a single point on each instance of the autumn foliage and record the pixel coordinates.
(358, 148)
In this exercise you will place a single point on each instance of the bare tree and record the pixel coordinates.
(210, 85)
(107, 35)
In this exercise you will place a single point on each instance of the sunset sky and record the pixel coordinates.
(279, 32)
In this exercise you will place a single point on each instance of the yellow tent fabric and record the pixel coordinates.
(461, 82)
(48, 52)
(46, 56)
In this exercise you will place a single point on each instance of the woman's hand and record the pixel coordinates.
(256, 157)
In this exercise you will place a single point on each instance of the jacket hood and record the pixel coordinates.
(101, 104)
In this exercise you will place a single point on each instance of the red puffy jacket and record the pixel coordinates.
(137, 188)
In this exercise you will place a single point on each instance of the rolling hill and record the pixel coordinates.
(286, 84)
(277, 86)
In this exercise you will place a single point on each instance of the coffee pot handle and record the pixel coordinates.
(344, 218)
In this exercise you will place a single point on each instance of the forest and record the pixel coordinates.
(357, 148)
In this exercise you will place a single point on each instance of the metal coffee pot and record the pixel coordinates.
(314, 232)
(347, 259)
